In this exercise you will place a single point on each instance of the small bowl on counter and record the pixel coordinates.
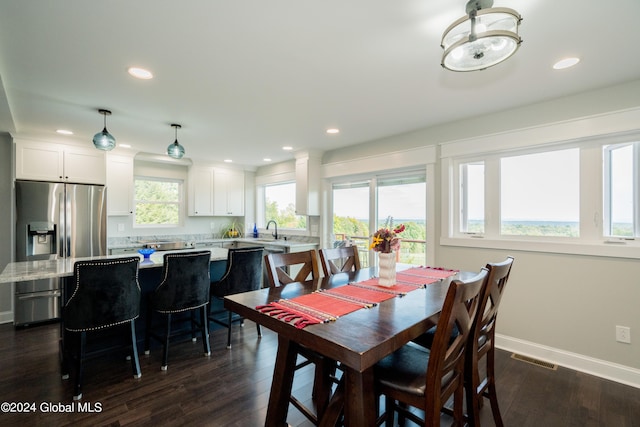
(146, 252)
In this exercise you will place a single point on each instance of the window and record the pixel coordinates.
(351, 216)
(280, 206)
(402, 197)
(472, 197)
(157, 201)
(405, 200)
(540, 194)
(620, 193)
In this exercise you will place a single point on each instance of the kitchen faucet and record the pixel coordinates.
(275, 235)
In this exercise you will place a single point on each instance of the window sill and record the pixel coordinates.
(619, 249)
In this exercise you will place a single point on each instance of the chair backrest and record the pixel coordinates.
(243, 273)
(106, 293)
(445, 371)
(185, 282)
(277, 262)
(496, 284)
(347, 260)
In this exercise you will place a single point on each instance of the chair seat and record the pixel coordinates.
(404, 370)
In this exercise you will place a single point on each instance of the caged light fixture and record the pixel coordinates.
(175, 150)
(104, 140)
(485, 37)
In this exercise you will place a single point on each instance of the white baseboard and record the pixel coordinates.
(600, 368)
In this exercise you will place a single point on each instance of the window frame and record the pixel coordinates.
(180, 203)
(591, 241)
(262, 211)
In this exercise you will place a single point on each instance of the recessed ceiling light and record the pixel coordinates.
(266, 159)
(124, 145)
(140, 73)
(287, 148)
(333, 130)
(64, 132)
(228, 161)
(565, 63)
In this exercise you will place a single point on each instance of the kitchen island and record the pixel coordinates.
(60, 268)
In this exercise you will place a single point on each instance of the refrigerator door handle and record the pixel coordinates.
(46, 294)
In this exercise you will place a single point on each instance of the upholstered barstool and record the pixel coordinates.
(184, 288)
(243, 273)
(106, 294)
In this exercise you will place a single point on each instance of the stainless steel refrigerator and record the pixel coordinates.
(54, 221)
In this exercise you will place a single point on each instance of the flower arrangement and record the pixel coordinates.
(386, 239)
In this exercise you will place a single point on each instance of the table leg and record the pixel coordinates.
(360, 399)
(282, 383)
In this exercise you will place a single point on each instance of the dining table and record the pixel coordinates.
(356, 340)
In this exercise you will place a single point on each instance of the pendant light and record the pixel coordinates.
(104, 140)
(175, 150)
(485, 37)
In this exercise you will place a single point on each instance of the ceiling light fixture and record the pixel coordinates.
(64, 132)
(140, 73)
(175, 150)
(485, 37)
(104, 140)
(287, 148)
(333, 130)
(565, 63)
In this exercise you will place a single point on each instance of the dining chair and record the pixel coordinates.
(184, 288)
(277, 265)
(106, 295)
(482, 345)
(339, 260)
(426, 379)
(243, 273)
(280, 264)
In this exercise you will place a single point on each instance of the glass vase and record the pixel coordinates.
(386, 269)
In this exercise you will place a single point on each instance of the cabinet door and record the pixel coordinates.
(228, 192)
(119, 185)
(55, 162)
(39, 161)
(84, 165)
(200, 191)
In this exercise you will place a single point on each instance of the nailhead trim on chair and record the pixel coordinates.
(77, 273)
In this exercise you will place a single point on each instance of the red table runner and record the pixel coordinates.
(329, 304)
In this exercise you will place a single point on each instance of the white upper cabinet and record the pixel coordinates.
(119, 185)
(228, 192)
(55, 162)
(215, 192)
(200, 198)
(308, 186)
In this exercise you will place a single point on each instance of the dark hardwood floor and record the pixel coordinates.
(231, 388)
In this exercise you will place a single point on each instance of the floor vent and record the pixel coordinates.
(533, 361)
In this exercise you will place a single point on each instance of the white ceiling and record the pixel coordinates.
(245, 77)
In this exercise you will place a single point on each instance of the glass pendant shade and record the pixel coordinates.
(481, 40)
(104, 140)
(175, 150)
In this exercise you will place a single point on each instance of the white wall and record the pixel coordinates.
(559, 307)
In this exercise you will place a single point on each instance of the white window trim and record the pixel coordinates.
(181, 204)
(591, 241)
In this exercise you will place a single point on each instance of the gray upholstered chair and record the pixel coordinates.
(106, 294)
(243, 273)
(184, 287)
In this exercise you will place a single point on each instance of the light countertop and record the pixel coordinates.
(48, 269)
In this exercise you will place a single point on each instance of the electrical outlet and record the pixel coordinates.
(623, 334)
(120, 226)
(212, 225)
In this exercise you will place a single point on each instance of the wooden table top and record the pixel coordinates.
(358, 339)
